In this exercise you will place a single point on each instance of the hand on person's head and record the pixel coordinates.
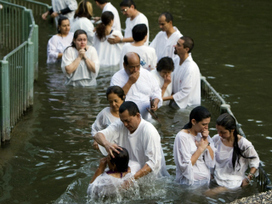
(110, 147)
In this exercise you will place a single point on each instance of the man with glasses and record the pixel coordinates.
(138, 84)
(134, 17)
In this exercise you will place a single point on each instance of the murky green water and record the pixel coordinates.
(50, 157)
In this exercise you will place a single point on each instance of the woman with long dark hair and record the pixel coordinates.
(109, 54)
(234, 155)
(59, 42)
(80, 62)
(194, 150)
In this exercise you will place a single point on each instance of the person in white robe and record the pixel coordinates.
(165, 40)
(194, 150)
(61, 7)
(109, 54)
(107, 181)
(82, 20)
(105, 5)
(147, 54)
(227, 173)
(186, 84)
(139, 85)
(134, 17)
(115, 96)
(80, 63)
(163, 75)
(59, 42)
(139, 137)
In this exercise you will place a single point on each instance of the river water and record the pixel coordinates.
(50, 157)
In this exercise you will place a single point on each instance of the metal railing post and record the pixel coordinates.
(30, 70)
(5, 101)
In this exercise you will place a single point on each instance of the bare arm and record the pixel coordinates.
(142, 172)
(117, 39)
(201, 147)
(167, 81)
(73, 66)
(90, 64)
(250, 176)
(100, 169)
(167, 98)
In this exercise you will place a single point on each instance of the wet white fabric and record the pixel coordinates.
(160, 81)
(147, 54)
(57, 44)
(139, 19)
(116, 21)
(143, 145)
(186, 83)
(184, 148)
(86, 25)
(163, 45)
(109, 54)
(58, 5)
(144, 89)
(82, 76)
(106, 185)
(224, 174)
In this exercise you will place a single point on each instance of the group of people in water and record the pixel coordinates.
(162, 73)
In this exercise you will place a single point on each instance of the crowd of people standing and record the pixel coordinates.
(151, 75)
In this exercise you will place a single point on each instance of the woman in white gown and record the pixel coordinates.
(194, 150)
(59, 42)
(115, 96)
(80, 62)
(108, 181)
(109, 54)
(82, 20)
(234, 155)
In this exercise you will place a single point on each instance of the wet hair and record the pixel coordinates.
(139, 32)
(165, 63)
(106, 18)
(131, 107)
(229, 123)
(168, 16)
(84, 9)
(127, 3)
(188, 42)
(102, 1)
(116, 90)
(199, 113)
(126, 58)
(76, 34)
(120, 160)
(61, 18)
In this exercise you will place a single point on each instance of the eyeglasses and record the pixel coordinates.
(124, 10)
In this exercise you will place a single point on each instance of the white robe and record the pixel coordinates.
(139, 19)
(143, 145)
(163, 45)
(109, 54)
(107, 185)
(147, 54)
(160, 81)
(86, 25)
(116, 21)
(186, 173)
(57, 44)
(82, 76)
(144, 89)
(186, 83)
(224, 174)
(58, 5)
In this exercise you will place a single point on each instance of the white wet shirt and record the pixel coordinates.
(186, 83)
(139, 19)
(116, 21)
(82, 76)
(224, 173)
(147, 55)
(58, 5)
(143, 145)
(144, 89)
(57, 44)
(184, 148)
(109, 54)
(163, 45)
(85, 24)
